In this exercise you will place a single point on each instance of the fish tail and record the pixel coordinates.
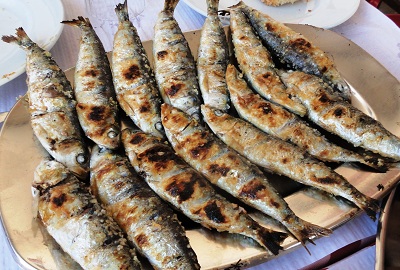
(122, 11)
(238, 5)
(310, 230)
(170, 5)
(80, 22)
(271, 239)
(212, 7)
(371, 207)
(21, 39)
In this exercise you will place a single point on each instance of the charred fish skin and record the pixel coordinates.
(134, 81)
(229, 171)
(283, 158)
(78, 223)
(52, 107)
(182, 186)
(212, 60)
(149, 223)
(331, 112)
(256, 64)
(94, 91)
(277, 121)
(294, 50)
(174, 65)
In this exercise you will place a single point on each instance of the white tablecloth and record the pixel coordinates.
(368, 28)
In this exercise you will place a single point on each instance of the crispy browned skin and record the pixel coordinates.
(94, 91)
(279, 122)
(226, 169)
(328, 110)
(294, 50)
(149, 223)
(134, 81)
(74, 218)
(182, 186)
(52, 107)
(283, 158)
(174, 65)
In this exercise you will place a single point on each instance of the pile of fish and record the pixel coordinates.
(107, 193)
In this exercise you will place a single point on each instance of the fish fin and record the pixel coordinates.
(311, 230)
(122, 11)
(238, 5)
(80, 22)
(371, 207)
(271, 239)
(212, 7)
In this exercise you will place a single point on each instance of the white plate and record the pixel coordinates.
(40, 19)
(319, 13)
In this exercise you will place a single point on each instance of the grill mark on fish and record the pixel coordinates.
(189, 192)
(133, 77)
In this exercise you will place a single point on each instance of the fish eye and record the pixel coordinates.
(112, 134)
(218, 112)
(159, 126)
(81, 158)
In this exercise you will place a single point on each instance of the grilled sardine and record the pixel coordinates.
(134, 81)
(212, 60)
(149, 223)
(182, 186)
(294, 50)
(94, 91)
(52, 107)
(74, 218)
(281, 123)
(283, 158)
(229, 171)
(257, 66)
(328, 110)
(174, 65)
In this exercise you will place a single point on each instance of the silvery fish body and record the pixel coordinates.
(277, 121)
(257, 66)
(328, 110)
(74, 218)
(52, 107)
(94, 91)
(134, 81)
(149, 223)
(212, 60)
(283, 158)
(231, 172)
(174, 65)
(186, 189)
(295, 50)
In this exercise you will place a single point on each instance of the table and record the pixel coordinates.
(368, 28)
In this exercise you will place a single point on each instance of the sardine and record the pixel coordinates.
(257, 66)
(212, 60)
(328, 110)
(277, 121)
(134, 81)
(94, 91)
(186, 189)
(149, 223)
(52, 107)
(226, 169)
(294, 50)
(74, 218)
(283, 158)
(174, 65)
